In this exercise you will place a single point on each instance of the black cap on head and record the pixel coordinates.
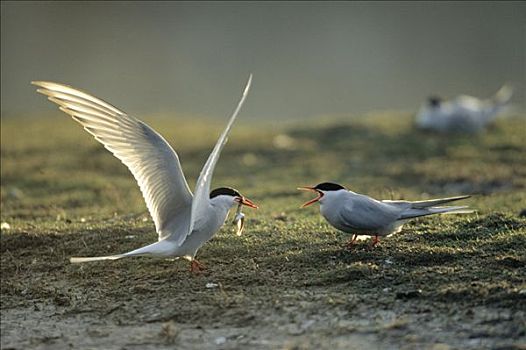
(329, 186)
(434, 101)
(226, 191)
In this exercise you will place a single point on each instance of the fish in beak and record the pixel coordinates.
(311, 189)
(246, 201)
(239, 218)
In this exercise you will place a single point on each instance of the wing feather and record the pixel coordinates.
(362, 213)
(425, 203)
(148, 156)
(202, 187)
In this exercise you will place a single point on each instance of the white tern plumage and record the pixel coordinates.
(359, 214)
(184, 222)
(463, 114)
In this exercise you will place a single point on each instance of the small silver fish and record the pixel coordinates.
(239, 220)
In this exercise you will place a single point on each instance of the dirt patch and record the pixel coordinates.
(339, 322)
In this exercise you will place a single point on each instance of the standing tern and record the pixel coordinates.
(359, 214)
(184, 222)
(462, 114)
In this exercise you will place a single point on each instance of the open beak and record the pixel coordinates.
(247, 202)
(311, 189)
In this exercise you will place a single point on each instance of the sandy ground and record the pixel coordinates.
(313, 321)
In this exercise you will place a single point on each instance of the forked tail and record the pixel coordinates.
(434, 202)
(498, 103)
(76, 260)
(413, 213)
(503, 96)
(162, 248)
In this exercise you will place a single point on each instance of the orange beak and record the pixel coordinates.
(247, 202)
(311, 189)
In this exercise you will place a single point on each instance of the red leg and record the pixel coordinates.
(376, 240)
(350, 244)
(196, 266)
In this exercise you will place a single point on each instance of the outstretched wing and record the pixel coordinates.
(202, 187)
(151, 160)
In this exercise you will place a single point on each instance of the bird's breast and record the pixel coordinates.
(332, 214)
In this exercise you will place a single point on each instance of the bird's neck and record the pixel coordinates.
(220, 208)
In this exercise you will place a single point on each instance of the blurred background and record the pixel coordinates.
(308, 58)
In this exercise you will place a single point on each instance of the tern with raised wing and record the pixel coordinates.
(359, 214)
(184, 222)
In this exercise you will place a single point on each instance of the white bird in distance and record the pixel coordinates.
(463, 114)
(184, 222)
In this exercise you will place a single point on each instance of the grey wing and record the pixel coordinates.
(151, 160)
(202, 187)
(362, 213)
(413, 209)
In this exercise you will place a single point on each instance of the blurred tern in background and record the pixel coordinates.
(463, 114)
(359, 214)
(184, 222)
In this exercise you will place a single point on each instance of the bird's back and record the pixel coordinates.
(359, 213)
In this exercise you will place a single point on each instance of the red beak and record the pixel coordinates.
(247, 202)
(311, 189)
